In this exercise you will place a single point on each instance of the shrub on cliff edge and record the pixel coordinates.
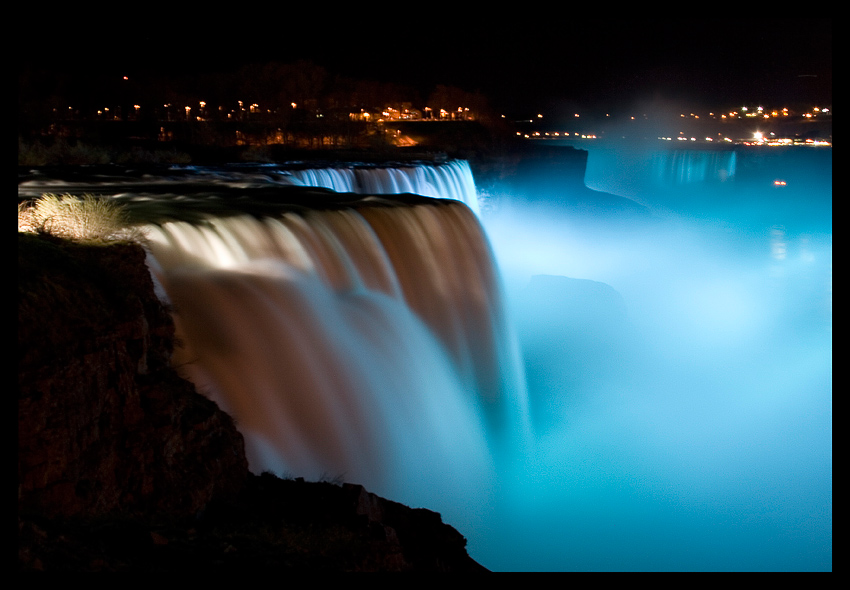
(85, 219)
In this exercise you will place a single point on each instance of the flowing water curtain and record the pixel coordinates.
(390, 317)
(680, 167)
(341, 180)
(447, 273)
(297, 325)
(385, 181)
(321, 382)
(452, 180)
(449, 279)
(358, 240)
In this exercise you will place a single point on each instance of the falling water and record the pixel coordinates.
(363, 338)
(694, 166)
(452, 180)
(362, 343)
(677, 365)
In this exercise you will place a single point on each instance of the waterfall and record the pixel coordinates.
(679, 167)
(452, 180)
(340, 180)
(679, 366)
(368, 342)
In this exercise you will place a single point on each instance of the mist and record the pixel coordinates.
(679, 368)
(637, 377)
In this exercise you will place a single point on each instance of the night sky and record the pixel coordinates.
(537, 62)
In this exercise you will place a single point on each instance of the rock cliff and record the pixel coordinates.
(123, 466)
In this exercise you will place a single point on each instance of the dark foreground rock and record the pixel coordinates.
(123, 466)
(274, 524)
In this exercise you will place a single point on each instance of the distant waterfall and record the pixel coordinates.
(340, 180)
(368, 341)
(452, 180)
(677, 167)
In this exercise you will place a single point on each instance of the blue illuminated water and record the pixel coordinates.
(679, 368)
(677, 358)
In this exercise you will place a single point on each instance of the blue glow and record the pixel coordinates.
(692, 431)
(678, 369)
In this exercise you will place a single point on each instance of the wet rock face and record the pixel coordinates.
(104, 424)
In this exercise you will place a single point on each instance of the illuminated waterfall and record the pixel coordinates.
(679, 167)
(368, 342)
(341, 180)
(452, 180)
(679, 366)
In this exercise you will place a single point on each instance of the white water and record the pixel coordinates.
(367, 344)
(452, 180)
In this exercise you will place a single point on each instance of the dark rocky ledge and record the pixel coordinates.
(123, 466)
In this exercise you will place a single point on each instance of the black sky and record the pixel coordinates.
(528, 64)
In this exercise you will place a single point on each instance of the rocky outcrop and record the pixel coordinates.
(548, 179)
(274, 525)
(104, 424)
(123, 466)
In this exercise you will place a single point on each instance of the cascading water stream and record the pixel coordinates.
(452, 180)
(678, 367)
(678, 167)
(367, 342)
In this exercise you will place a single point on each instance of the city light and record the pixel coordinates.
(249, 110)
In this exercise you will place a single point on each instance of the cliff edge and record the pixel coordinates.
(123, 466)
